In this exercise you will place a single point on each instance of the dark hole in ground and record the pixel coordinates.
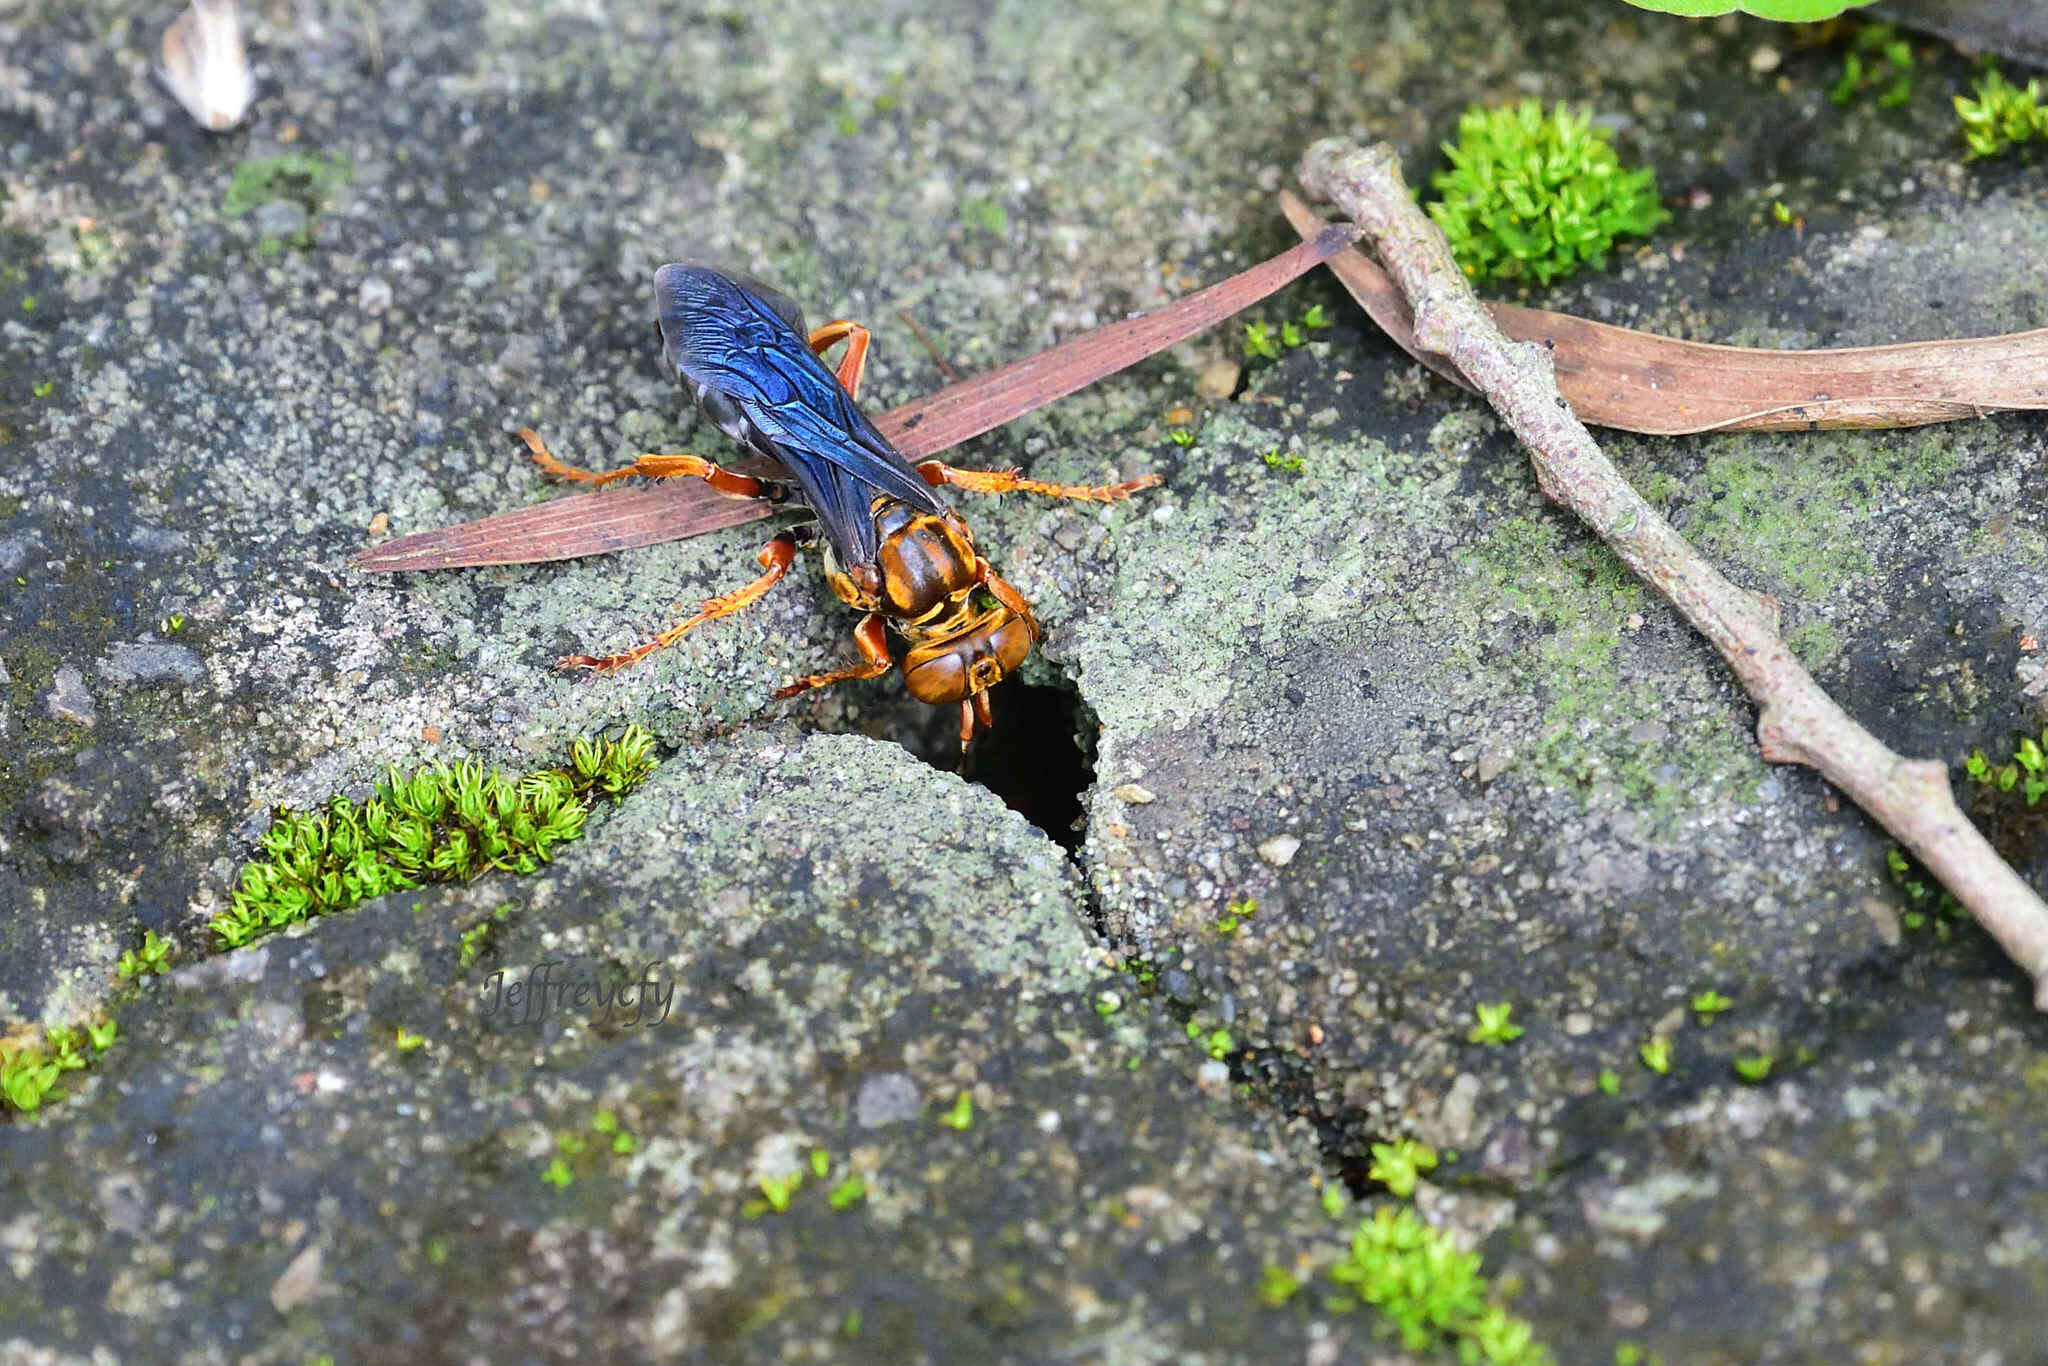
(1033, 759)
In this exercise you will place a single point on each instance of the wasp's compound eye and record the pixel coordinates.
(937, 679)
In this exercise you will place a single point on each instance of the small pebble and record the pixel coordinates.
(13, 550)
(1279, 850)
(299, 1283)
(205, 63)
(521, 357)
(888, 1098)
(1457, 1114)
(69, 700)
(1218, 380)
(157, 540)
(1132, 793)
(150, 661)
(281, 218)
(373, 295)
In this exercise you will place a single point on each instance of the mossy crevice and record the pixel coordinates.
(442, 823)
(2008, 803)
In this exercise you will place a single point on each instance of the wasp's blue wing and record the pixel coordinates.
(741, 351)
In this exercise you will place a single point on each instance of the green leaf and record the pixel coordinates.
(1785, 11)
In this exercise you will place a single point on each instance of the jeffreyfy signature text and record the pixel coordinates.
(602, 999)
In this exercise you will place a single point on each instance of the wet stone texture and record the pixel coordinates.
(1455, 755)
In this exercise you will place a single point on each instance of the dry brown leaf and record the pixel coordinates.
(1661, 386)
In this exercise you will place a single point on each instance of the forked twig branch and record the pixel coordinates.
(1798, 722)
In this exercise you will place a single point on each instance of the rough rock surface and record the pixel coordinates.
(1452, 752)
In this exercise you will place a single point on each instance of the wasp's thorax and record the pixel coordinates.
(967, 628)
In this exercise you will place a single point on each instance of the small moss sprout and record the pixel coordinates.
(1495, 1026)
(1400, 1164)
(2002, 115)
(152, 958)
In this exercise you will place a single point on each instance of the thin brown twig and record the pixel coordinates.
(946, 370)
(1798, 722)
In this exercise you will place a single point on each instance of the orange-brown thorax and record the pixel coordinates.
(930, 585)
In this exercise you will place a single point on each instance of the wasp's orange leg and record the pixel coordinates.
(874, 648)
(937, 472)
(654, 466)
(999, 587)
(855, 361)
(776, 558)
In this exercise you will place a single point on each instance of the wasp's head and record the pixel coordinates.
(984, 649)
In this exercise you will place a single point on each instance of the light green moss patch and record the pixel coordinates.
(1791, 511)
(32, 1067)
(301, 177)
(1599, 726)
(1428, 1293)
(441, 824)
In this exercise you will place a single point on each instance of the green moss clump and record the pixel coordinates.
(2002, 116)
(1536, 196)
(1878, 59)
(31, 1067)
(152, 958)
(442, 824)
(1431, 1294)
(304, 178)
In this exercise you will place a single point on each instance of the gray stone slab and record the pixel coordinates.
(1455, 756)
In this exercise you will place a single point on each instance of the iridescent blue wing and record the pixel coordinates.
(740, 349)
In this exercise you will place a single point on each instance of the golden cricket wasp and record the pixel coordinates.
(895, 550)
